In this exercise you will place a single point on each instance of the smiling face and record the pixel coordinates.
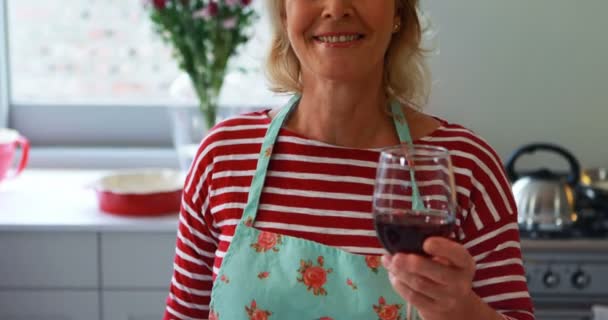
(340, 39)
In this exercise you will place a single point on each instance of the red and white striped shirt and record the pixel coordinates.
(323, 193)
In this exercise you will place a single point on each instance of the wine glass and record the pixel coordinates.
(414, 198)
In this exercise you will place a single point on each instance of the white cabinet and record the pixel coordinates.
(85, 275)
(134, 305)
(48, 260)
(136, 273)
(49, 305)
(137, 260)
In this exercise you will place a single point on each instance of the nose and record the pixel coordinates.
(338, 9)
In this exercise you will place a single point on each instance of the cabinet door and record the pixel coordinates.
(137, 260)
(134, 305)
(48, 259)
(49, 305)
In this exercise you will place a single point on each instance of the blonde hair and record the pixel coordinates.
(406, 74)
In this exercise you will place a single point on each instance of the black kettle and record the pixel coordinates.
(545, 199)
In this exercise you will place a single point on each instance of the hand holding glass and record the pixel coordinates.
(414, 198)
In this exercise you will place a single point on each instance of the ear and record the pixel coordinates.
(398, 10)
(396, 24)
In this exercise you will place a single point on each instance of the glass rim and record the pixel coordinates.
(413, 150)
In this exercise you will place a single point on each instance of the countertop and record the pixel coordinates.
(61, 200)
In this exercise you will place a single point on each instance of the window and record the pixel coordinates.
(93, 73)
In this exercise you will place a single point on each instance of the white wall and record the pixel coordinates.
(515, 71)
(518, 71)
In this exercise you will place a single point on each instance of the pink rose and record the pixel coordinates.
(315, 277)
(208, 12)
(232, 3)
(389, 312)
(259, 315)
(229, 23)
(373, 261)
(159, 4)
(213, 8)
(267, 240)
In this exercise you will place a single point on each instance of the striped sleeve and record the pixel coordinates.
(492, 238)
(197, 241)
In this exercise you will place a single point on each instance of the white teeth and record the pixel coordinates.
(335, 39)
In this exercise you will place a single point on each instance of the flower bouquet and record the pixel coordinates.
(204, 35)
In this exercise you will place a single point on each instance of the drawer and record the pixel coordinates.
(48, 260)
(49, 305)
(134, 305)
(137, 260)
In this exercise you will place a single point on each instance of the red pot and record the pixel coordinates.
(140, 192)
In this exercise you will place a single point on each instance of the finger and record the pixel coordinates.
(402, 264)
(417, 299)
(424, 286)
(386, 260)
(453, 251)
(442, 261)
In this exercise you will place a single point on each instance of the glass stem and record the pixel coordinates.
(410, 313)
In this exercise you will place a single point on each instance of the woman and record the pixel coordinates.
(271, 229)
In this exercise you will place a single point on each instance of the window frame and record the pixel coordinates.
(89, 136)
(60, 125)
(4, 65)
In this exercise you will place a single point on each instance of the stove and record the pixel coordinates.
(566, 276)
(567, 271)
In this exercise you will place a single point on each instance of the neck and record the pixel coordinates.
(349, 114)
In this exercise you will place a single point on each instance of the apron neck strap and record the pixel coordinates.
(403, 130)
(257, 184)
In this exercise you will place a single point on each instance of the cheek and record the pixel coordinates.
(300, 17)
(381, 18)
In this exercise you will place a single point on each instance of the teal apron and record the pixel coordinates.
(266, 275)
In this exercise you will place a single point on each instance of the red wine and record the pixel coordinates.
(405, 232)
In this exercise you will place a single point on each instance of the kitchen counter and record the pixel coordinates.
(61, 200)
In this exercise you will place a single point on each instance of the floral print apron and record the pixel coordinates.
(266, 275)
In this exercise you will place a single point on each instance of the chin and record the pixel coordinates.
(343, 72)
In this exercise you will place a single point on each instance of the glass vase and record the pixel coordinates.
(190, 118)
(189, 129)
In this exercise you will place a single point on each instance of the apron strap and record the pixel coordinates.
(257, 184)
(405, 137)
(403, 130)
